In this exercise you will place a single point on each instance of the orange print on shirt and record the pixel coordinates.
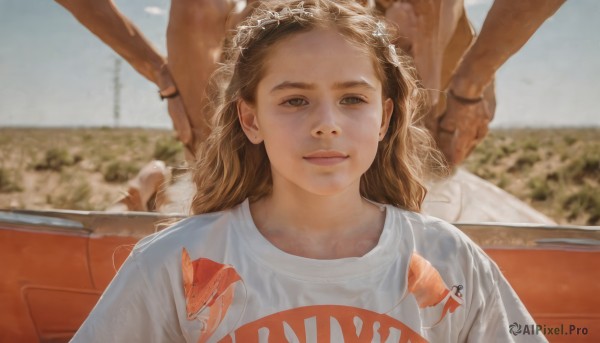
(207, 284)
(209, 287)
(427, 285)
(324, 317)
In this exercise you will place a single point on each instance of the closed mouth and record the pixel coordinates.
(325, 158)
(325, 154)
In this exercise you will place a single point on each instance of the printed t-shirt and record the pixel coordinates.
(215, 278)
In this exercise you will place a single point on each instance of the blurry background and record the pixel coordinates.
(60, 80)
(55, 73)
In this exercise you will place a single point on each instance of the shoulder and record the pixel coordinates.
(487, 300)
(431, 233)
(448, 248)
(196, 233)
(190, 226)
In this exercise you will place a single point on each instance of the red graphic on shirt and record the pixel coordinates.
(207, 284)
(324, 317)
(427, 285)
(209, 288)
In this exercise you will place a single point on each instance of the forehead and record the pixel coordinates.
(321, 56)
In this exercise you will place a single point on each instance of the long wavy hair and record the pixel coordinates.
(230, 168)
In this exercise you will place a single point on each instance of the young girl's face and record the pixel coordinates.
(320, 112)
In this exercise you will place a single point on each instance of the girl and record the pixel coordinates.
(308, 188)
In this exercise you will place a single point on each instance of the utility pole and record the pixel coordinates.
(117, 91)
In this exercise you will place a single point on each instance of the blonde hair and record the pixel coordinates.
(230, 168)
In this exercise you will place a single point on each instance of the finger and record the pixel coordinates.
(180, 121)
(445, 144)
(469, 151)
(182, 129)
(431, 123)
(482, 132)
(462, 141)
(465, 141)
(190, 152)
(448, 122)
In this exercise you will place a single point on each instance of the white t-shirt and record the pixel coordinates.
(215, 278)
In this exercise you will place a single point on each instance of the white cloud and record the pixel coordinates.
(469, 3)
(154, 10)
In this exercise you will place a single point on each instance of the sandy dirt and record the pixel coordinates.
(555, 171)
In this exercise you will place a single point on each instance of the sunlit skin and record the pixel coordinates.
(321, 114)
(197, 27)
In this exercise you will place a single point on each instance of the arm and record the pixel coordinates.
(425, 27)
(507, 27)
(492, 305)
(104, 20)
(133, 308)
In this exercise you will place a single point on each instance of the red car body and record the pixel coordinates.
(55, 265)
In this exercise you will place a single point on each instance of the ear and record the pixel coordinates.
(248, 121)
(388, 109)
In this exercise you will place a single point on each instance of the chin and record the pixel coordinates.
(328, 189)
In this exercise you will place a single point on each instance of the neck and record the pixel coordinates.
(321, 226)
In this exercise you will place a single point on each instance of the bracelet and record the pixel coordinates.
(466, 101)
(168, 93)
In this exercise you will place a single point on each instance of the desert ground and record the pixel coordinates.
(557, 171)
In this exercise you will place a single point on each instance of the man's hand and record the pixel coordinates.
(177, 112)
(461, 127)
(178, 115)
(183, 128)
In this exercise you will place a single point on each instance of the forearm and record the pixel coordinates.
(103, 19)
(507, 27)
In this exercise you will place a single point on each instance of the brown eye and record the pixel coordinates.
(352, 100)
(296, 102)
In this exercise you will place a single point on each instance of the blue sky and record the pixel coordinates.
(55, 73)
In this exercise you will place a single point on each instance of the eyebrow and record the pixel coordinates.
(309, 86)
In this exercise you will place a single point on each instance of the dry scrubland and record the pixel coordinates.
(556, 171)
(82, 169)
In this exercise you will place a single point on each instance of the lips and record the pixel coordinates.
(326, 157)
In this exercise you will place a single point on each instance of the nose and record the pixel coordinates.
(326, 122)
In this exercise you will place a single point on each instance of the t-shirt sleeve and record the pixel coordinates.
(129, 311)
(495, 307)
